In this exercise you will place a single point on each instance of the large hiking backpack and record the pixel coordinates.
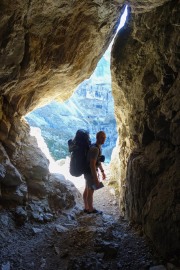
(78, 147)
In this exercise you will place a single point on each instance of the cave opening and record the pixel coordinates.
(91, 107)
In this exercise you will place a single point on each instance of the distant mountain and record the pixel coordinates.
(91, 107)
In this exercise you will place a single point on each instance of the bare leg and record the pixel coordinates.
(85, 195)
(90, 193)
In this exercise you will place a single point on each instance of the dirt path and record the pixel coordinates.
(76, 241)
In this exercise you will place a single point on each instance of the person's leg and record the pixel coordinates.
(90, 193)
(88, 201)
(85, 194)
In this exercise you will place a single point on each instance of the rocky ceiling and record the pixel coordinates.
(49, 47)
(46, 49)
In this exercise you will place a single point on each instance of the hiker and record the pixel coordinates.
(91, 177)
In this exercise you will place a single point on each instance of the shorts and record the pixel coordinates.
(89, 180)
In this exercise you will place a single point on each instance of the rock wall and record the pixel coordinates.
(146, 90)
(26, 186)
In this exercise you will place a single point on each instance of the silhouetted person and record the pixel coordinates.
(91, 177)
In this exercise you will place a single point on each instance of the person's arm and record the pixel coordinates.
(102, 171)
(93, 171)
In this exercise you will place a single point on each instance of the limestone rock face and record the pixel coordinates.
(49, 47)
(9, 174)
(147, 101)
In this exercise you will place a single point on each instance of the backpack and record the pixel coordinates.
(78, 147)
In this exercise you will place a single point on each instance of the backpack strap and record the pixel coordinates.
(98, 148)
(99, 154)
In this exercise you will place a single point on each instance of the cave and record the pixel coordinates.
(50, 47)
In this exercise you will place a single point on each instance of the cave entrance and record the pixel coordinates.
(91, 107)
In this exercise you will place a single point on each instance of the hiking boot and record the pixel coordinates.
(94, 211)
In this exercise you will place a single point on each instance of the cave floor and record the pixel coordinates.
(76, 240)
